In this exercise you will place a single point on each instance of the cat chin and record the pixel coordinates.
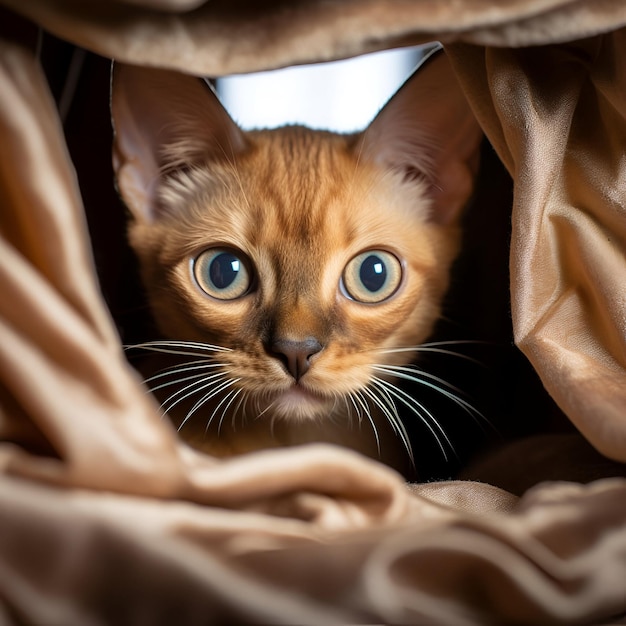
(300, 404)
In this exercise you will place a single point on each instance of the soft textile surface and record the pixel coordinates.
(106, 518)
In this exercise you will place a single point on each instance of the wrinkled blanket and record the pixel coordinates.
(106, 518)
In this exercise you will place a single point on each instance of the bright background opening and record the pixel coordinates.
(342, 96)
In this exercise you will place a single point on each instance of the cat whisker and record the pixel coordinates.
(370, 419)
(182, 348)
(357, 411)
(191, 389)
(426, 417)
(265, 410)
(390, 403)
(393, 418)
(209, 396)
(363, 404)
(347, 402)
(233, 396)
(241, 406)
(180, 368)
(166, 350)
(416, 375)
(435, 347)
(176, 381)
(434, 344)
(212, 393)
(409, 370)
(244, 410)
(180, 344)
(174, 375)
(454, 342)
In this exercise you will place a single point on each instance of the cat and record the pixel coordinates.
(298, 271)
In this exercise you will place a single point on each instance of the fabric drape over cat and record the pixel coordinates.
(107, 518)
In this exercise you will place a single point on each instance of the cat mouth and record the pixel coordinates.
(300, 403)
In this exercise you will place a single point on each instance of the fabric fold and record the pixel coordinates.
(107, 517)
(569, 235)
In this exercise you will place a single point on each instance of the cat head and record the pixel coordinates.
(310, 258)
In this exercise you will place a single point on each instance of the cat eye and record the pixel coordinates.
(372, 276)
(223, 273)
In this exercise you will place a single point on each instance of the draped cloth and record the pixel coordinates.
(106, 517)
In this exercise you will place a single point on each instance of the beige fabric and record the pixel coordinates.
(222, 37)
(558, 120)
(106, 518)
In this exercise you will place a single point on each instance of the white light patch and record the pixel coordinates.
(342, 96)
(378, 268)
(235, 265)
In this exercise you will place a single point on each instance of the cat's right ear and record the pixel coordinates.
(428, 133)
(164, 121)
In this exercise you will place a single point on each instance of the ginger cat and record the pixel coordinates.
(297, 271)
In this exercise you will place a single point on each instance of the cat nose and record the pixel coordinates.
(295, 355)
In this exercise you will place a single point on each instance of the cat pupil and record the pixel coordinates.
(224, 269)
(373, 273)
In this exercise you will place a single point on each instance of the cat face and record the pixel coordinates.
(311, 260)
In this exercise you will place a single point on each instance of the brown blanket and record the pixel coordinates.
(106, 518)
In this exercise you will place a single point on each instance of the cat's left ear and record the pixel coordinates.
(427, 132)
(164, 121)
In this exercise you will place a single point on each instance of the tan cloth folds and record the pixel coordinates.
(106, 518)
(558, 120)
(225, 37)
